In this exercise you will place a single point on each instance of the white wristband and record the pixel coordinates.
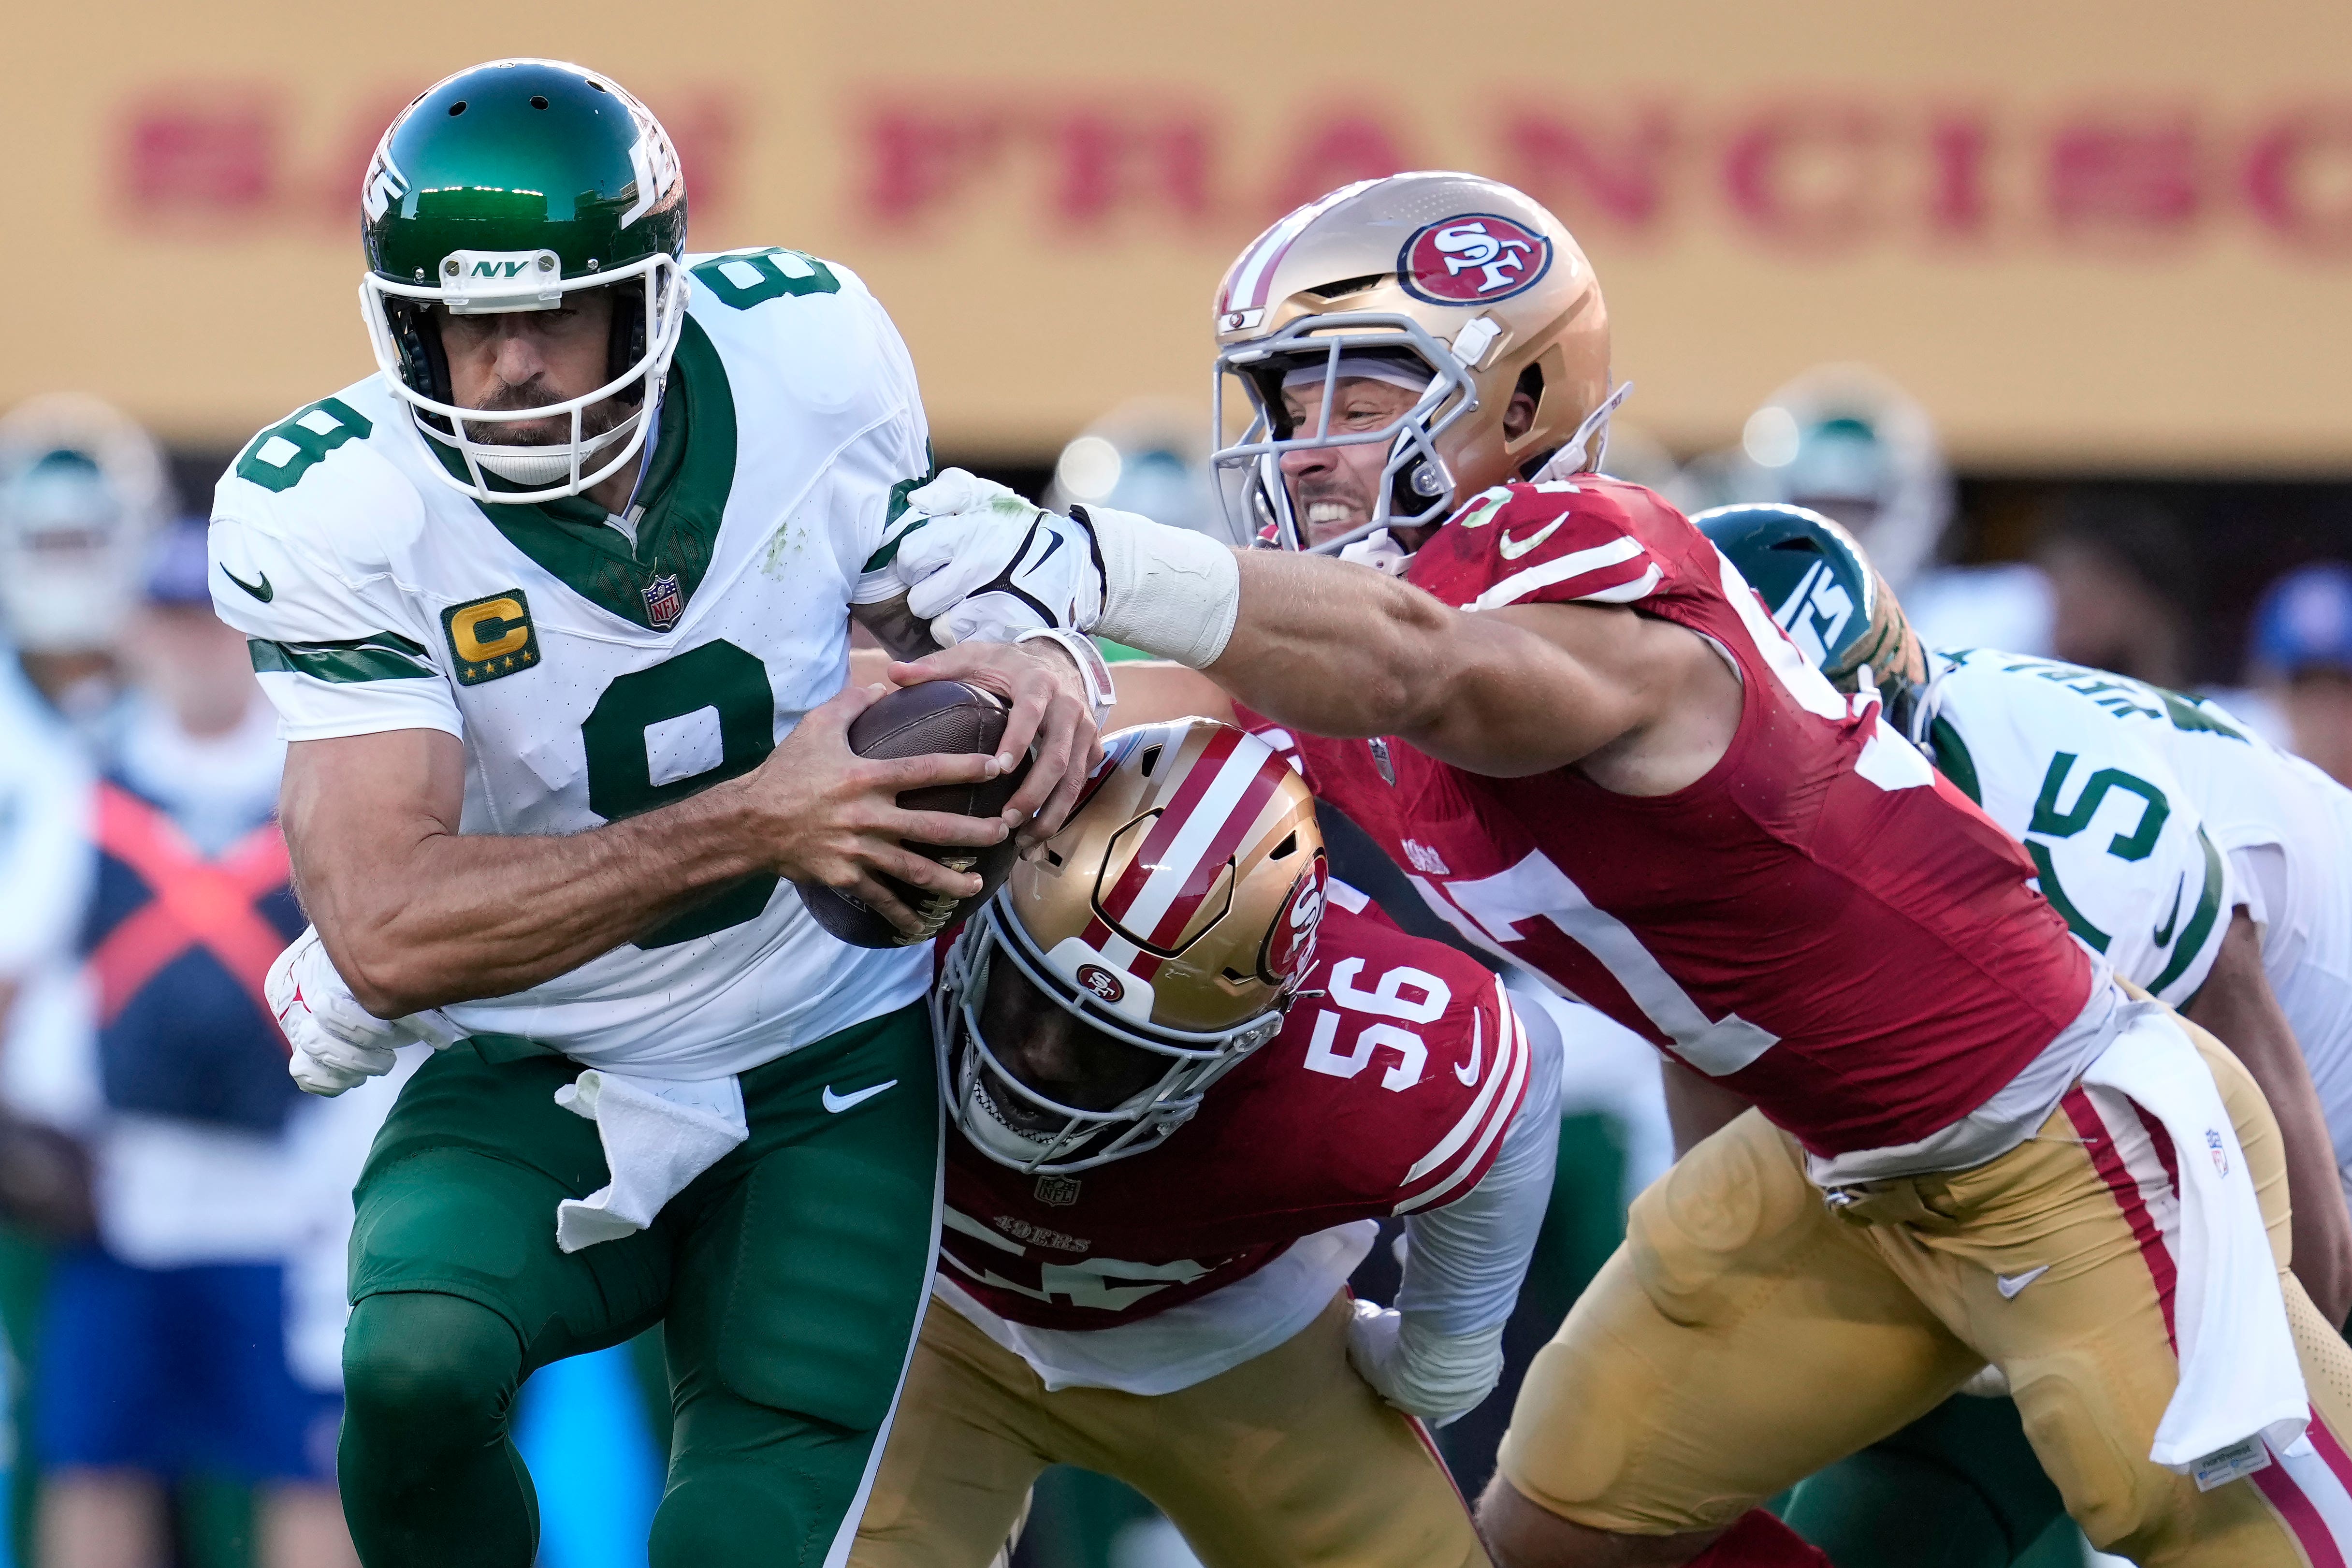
(1094, 671)
(1167, 591)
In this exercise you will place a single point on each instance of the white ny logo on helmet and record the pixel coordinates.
(1468, 245)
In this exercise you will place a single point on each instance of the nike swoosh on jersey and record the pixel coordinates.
(2163, 934)
(1512, 549)
(837, 1103)
(264, 593)
(2010, 1284)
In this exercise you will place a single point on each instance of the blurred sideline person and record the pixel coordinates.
(1188, 1073)
(2124, 584)
(553, 609)
(2302, 660)
(166, 1355)
(82, 495)
(1846, 441)
(2208, 869)
(81, 491)
(1577, 726)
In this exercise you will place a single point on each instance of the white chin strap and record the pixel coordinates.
(550, 465)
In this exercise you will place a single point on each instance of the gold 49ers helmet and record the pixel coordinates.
(1160, 934)
(1458, 287)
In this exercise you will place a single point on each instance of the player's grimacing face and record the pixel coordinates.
(1052, 1052)
(1333, 489)
(527, 359)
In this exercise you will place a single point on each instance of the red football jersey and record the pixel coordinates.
(1387, 1091)
(1821, 922)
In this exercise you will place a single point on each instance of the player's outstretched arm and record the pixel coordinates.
(2237, 1004)
(1339, 649)
(415, 915)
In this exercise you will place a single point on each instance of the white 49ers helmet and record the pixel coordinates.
(1460, 288)
(1157, 940)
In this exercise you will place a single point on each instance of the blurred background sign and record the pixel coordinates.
(2096, 235)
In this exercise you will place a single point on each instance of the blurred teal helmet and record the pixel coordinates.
(1848, 443)
(1820, 589)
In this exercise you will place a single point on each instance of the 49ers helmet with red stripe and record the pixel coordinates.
(1175, 912)
(1460, 288)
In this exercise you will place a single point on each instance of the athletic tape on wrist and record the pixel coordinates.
(1167, 591)
(1094, 671)
(1446, 1371)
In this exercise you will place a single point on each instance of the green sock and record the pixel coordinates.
(1959, 1487)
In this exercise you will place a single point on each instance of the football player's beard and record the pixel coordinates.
(1328, 505)
(599, 418)
(522, 462)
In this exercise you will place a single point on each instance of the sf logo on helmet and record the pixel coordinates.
(1473, 257)
(1101, 981)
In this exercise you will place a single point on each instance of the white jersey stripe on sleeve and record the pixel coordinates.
(1504, 1109)
(1459, 1133)
(1575, 563)
(1511, 1048)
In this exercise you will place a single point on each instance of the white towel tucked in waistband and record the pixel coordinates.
(658, 1135)
(2238, 1375)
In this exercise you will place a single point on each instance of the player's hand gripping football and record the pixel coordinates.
(985, 565)
(819, 813)
(337, 1043)
(1052, 709)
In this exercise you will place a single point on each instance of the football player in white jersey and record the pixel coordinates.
(2212, 869)
(555, 611)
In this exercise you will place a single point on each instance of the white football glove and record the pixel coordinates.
(986, 565)
(336, 1042)
(1438, 1377)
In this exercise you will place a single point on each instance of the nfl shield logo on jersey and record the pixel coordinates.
(1060, 1192)
(664, 603)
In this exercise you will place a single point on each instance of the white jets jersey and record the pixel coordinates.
(598, 667)
(2152, 817)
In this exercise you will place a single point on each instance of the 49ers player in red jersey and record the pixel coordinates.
(1574, 722)
(1188, 1073)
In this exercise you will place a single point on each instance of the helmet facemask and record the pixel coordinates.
(1416, 487)
(649, 314)
(980, 1084)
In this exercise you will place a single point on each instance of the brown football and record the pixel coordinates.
(939, 716)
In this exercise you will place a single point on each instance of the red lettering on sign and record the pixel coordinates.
(2298, 177)
(2126, 173)
(1807, 174)
(702, 125)
(917, 160)
(1105, 160)
(1578, 170)
(210, 156)
(1957, 205)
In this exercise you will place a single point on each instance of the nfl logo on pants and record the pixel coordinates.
(664, 603)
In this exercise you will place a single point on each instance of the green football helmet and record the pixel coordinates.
(506, 187)
(1823, 591)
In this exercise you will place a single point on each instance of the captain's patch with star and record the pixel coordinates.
(491, 637)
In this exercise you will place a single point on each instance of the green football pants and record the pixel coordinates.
(790, 1278)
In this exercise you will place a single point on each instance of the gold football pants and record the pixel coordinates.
(1287, 1459)
(1743, 1337)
